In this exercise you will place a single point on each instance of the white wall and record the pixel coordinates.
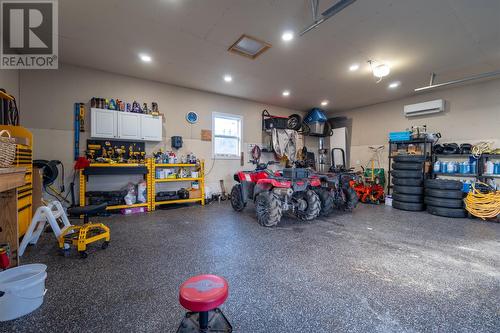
(472, 115)
(47, 110)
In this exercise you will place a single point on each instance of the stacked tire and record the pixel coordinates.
(444, 197)
(408, 180)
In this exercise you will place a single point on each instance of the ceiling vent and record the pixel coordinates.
(249, 47)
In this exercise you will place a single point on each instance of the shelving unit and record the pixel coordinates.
(154, 181)
(479, 174)
(117, 169)
(426, 151)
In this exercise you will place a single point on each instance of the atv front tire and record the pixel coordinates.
(236, 198)
(313, 208)
(268, 209)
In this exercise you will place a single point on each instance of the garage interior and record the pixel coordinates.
(250, 166)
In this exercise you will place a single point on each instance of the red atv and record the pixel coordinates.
(274, 194)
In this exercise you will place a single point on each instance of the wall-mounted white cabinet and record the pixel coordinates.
(129, 126)
(103, 124)
(151, 128)
(109, 124)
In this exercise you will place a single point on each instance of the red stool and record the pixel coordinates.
(202, 295)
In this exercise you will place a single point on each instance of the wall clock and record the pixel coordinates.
(192, 117)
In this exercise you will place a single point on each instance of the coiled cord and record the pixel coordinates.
(480, 148)
(483, 205)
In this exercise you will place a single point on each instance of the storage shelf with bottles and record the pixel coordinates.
(157, 178)
(473, 168)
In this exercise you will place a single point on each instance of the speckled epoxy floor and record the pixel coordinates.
(376, 270)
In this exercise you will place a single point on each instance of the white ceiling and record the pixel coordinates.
(188, 40)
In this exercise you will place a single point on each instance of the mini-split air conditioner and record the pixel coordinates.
(424, 108)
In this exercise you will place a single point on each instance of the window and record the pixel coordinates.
(226, 135)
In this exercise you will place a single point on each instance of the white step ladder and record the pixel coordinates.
(50, 213)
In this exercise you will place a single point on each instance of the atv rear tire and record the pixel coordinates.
(407, 174)
(418, 198)
(408, 189)
(268, 209)
(409, 158)
(236, 198)
(444, 194)
(351, 198)
(407, 181)
(407, 166)
(445, 203)
(326, 202)
(410, 206)
(313, 208)
(443, 184)
(447, 212)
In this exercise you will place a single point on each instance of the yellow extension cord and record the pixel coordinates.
(483, 205)
(483, 147)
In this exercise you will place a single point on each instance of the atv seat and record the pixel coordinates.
(87, 211)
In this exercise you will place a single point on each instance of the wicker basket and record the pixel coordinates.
(7, 149)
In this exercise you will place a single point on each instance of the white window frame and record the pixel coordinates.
(240, 137)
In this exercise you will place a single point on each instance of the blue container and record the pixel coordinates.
(400, 136)
(497, 168)
(451, 167)
(462, 168)
(437, 166)
(444, 167)
(473, 166)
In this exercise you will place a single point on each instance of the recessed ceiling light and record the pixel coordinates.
(354, 67)
(228, 78)
(394, 85)
(286, 93)
(324, 103)
(145, 57)
(287, 36)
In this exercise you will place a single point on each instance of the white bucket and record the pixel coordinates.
(22, 289)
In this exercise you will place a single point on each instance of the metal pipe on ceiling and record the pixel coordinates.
(336, 8)
(466, 79)
(314, 9)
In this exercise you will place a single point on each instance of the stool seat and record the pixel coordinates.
(89, 210)
(203, 292)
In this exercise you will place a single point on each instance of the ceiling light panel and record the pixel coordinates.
(287, 36)
(145, 57)
(354, 67)
(249, 46)
(394, 85)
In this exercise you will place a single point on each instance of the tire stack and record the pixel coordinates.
(408, 180)
(444, 197)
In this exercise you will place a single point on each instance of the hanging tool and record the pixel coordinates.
(82, 117)
(76, 153)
